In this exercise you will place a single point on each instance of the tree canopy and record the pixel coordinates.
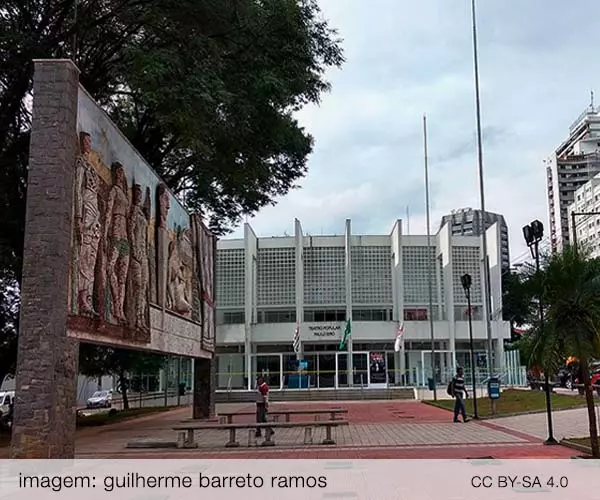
(569, 287)
(206, 90)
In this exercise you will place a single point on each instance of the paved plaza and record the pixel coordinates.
(378, 429)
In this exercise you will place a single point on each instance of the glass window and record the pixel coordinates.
(319, 315)
(234, 317)
(415, 314)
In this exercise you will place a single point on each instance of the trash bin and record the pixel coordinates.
(430, 384)
(182, 389)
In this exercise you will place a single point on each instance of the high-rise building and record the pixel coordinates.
(272, 290)
(573, 163)
(470, 222)
(587, 199)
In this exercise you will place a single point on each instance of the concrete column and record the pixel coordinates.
(46, 378)
(249, 310)
(348, 283)
(398, 278)
(205, 374)
(299, 269)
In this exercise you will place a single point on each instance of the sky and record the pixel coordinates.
(406, 58)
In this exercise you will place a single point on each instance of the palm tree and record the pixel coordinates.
(570, 286)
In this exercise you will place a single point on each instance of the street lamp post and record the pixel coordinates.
(533, 234)
(466, 281)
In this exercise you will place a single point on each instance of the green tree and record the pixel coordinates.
(206, 90)
(99, 361)
(516, 301)
(570, 289)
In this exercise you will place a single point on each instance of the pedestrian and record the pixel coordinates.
(459, 392)
(262, 404)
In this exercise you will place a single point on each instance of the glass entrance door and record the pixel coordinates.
(359, 373)
(360, 368)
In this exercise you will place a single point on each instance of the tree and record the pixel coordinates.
(570, 289)
(206, 90)
(99, 361)
(516, 300)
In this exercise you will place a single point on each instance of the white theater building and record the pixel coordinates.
(267, 287)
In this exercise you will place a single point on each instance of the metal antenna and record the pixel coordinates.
(592, 100)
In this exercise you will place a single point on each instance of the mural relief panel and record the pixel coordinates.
(134, 247)
(205, 266)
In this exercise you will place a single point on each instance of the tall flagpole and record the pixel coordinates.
(484, 249)
(430, 269)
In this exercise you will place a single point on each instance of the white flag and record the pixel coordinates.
(398, 343)
(296, 341)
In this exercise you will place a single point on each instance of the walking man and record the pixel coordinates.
(459, 392)
(262, 404)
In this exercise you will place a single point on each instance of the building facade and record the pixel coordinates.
(266, 288)
(573, 164)
(471, 222)
(587, 199)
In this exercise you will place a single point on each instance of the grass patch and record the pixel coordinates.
(514, 401)
(112, 417)
(581, 441)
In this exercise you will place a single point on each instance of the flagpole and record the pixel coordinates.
(486, 269)
(430, 270)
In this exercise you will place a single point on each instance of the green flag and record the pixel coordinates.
(347, 332)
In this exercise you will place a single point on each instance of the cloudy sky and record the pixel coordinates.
(538, 63)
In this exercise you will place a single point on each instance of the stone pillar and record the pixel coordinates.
(205, 373)
(46, 378)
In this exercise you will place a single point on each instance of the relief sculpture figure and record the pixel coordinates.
(177, 287)
(137, 292)
(116, 238)
(162, 244)
(87, 226)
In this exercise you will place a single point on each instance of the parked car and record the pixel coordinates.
(6, 405)
(564, 378)
(100, 399)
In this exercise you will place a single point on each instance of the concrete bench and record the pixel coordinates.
(186, 431)
(227, 417)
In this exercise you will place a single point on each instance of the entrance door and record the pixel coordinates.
(360, 369)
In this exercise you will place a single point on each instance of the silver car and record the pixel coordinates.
(100, 399)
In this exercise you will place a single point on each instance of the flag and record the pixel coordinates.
(296, 341)
(347, 332)
(398, 343)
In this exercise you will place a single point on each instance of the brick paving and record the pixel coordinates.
(566, 424)
(384, 429)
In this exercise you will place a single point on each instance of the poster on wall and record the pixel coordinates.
(377, 368)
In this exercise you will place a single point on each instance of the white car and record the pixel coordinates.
(6, 399)
(100, 399)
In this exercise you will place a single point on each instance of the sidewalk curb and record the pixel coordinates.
(567, 443)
